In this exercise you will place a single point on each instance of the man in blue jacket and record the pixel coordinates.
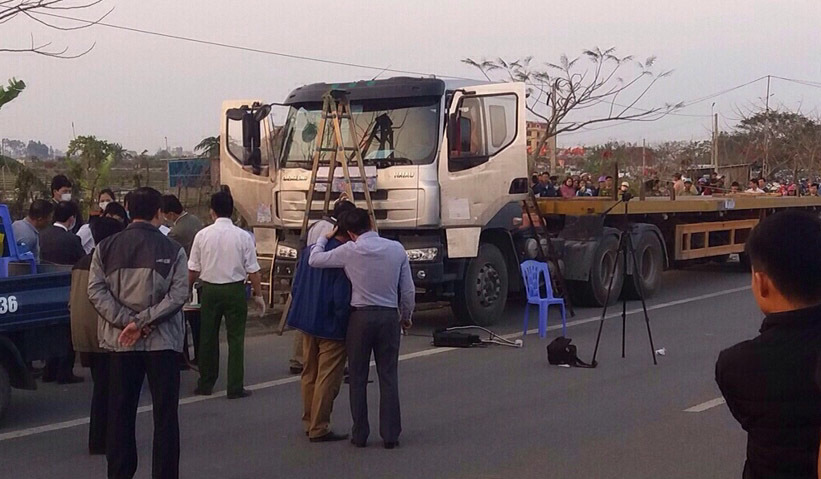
(320, 308)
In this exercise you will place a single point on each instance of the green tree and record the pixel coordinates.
(209, 147)
(27, 187)
(89, 163)
(10, 92)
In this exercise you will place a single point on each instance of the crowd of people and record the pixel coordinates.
(583, 185)
(137, 270)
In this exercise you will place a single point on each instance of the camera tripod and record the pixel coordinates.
(625, 247)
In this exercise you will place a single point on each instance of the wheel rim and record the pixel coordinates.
(648, 264)
(607, 263)
(488, 285)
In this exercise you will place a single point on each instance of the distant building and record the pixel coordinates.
(535, 131)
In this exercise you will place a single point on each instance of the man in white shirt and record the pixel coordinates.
(754, 188)
(222, 256)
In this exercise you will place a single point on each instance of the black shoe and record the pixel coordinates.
(391, 444)
(200, 391)
(71, 380)
(296, 369)
(359, 443)
(330, 437)
(242, 394)
(49, 379)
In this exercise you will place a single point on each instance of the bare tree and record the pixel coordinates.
(591, 80)
(46, 12)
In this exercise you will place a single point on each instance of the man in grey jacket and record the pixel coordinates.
(138, 283)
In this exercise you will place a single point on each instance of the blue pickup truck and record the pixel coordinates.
(34, 316)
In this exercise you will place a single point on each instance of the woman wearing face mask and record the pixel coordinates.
(105, 198)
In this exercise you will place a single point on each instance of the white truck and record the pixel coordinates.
(450, 166)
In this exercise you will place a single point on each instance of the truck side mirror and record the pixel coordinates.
(251, 140)
(459, 133)
(235, 114)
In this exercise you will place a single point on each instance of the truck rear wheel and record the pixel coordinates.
(5, 390)
(646, 275)
(480, 299)
(594, 291)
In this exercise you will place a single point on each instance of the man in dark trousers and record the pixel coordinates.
(58, 245)
(771, 382)
(138, 283)
(86, 341)
(222, 257)
(382, 301)
(319, 309)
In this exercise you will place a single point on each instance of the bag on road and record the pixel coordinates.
(560, 351)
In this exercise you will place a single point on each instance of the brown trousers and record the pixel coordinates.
(324, 367)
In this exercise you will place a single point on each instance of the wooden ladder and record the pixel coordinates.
(546, 252)
(331, 151)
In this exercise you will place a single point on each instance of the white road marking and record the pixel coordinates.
(706, 405)
(404, 357)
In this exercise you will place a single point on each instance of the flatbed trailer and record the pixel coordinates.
(667, 233)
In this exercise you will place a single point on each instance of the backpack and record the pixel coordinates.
(560, 351)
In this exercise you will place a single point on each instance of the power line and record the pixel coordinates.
(243, 48)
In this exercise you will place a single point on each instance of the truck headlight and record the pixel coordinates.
(286, 252)
(422, 254)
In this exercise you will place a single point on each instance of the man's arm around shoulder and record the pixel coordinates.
(329, 259)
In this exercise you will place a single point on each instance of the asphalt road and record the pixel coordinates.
(490, 412)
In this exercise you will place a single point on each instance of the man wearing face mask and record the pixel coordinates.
(58, 245)
(61, 191)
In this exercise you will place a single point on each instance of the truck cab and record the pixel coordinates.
(448, 165)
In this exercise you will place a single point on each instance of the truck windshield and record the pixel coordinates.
(390, 132)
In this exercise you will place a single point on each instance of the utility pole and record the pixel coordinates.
(553, 139)
(642, 193)
(765, 164)
(715, 143)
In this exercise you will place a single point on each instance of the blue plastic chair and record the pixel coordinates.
(11, 242)
(532, 273)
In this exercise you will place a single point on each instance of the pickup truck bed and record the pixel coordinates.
(34, 323)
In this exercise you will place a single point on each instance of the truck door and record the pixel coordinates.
(247, 161)
(485, 156)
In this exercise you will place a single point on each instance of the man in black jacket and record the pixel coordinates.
(58, 245)
(771, 382)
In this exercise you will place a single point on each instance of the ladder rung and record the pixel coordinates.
(331, 150)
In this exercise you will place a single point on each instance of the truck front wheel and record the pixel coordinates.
(481, 297)
(5, 390)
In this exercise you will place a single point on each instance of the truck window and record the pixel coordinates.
(501, 111)
(235, 140)
(483, 126)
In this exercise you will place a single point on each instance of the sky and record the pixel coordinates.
(137, 89)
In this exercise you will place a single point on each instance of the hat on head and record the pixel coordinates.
(624, 183)
(602, 178)
(688, 180)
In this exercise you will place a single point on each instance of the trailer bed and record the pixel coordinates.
(684, 204)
